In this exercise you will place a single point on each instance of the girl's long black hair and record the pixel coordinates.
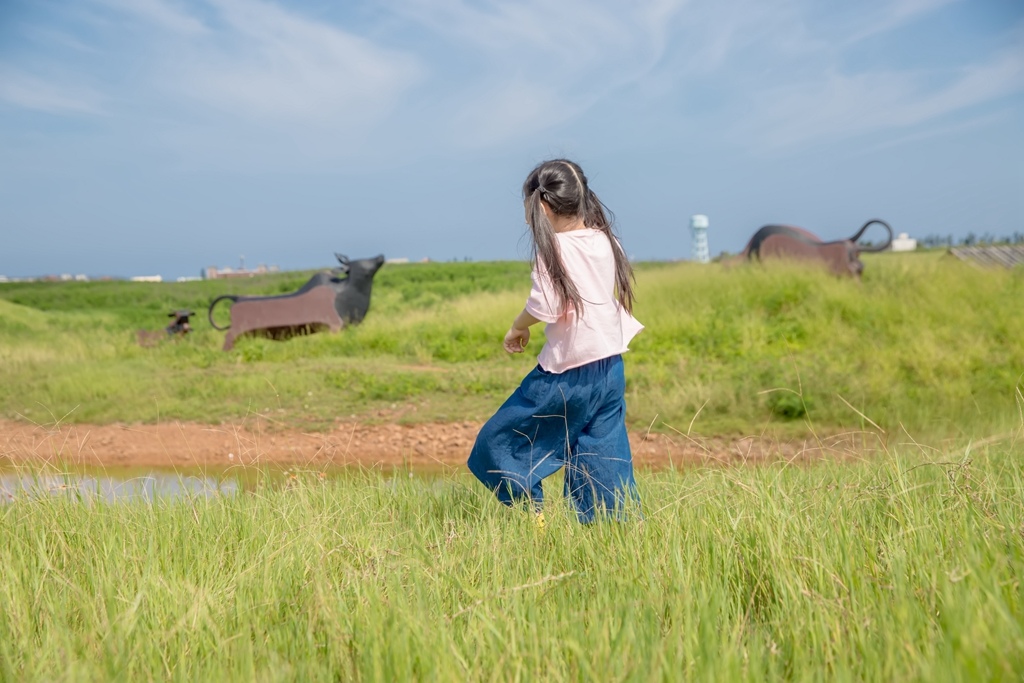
(563, 186)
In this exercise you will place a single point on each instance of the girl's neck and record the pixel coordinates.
(566, 223)
(561, 223)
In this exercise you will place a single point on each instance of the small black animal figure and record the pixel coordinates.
(842, 257)
(180, 324)
(180, 327)
(328, 299)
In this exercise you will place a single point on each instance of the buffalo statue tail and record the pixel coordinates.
(213, 303)
(864, 227)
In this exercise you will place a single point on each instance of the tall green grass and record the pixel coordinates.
(924, 343)
(903, 567)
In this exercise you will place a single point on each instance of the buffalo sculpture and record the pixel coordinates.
(842, 257)
(331, 299)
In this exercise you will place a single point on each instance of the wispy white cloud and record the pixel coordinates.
(890, 15)
(535, 30)
(22, 89)
(789, 73)
(512, 109)
(489, 73)
(938, 131)
(841, 106)
(164, 14)
(271, 62)
(256, 60)
(540, 64)
(52, 38)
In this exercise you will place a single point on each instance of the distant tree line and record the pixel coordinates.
(971, 239)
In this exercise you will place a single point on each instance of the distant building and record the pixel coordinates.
(904, 243)
(146, 278)
(397, 260)
(215, 273)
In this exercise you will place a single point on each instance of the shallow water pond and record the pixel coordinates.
(111, 487)
(148, 485)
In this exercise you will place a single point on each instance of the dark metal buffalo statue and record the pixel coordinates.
(787, 241)
(329, 299)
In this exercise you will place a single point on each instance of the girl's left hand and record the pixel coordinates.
(516, 340)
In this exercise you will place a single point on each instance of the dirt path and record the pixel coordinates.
(182, 444)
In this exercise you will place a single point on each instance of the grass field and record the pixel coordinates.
(903, 565)
(924, 343)
(906, 567)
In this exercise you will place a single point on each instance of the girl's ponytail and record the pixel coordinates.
(545, 249)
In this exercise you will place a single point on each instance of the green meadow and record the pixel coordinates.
(924, 344)
(902, 563)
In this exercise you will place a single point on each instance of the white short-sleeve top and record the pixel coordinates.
(605, 328)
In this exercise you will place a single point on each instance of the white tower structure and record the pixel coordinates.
(699, 228)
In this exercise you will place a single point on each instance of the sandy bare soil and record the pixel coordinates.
(255, 441)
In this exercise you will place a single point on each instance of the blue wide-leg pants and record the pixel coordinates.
(575, 419)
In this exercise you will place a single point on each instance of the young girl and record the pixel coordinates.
(570, 410)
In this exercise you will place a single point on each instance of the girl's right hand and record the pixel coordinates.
(516, 340)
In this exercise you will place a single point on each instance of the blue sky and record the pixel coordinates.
(163, 136)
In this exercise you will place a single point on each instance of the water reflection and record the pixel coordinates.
(147, 487)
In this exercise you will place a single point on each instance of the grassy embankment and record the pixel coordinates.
(924, 342)
(896, 569)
